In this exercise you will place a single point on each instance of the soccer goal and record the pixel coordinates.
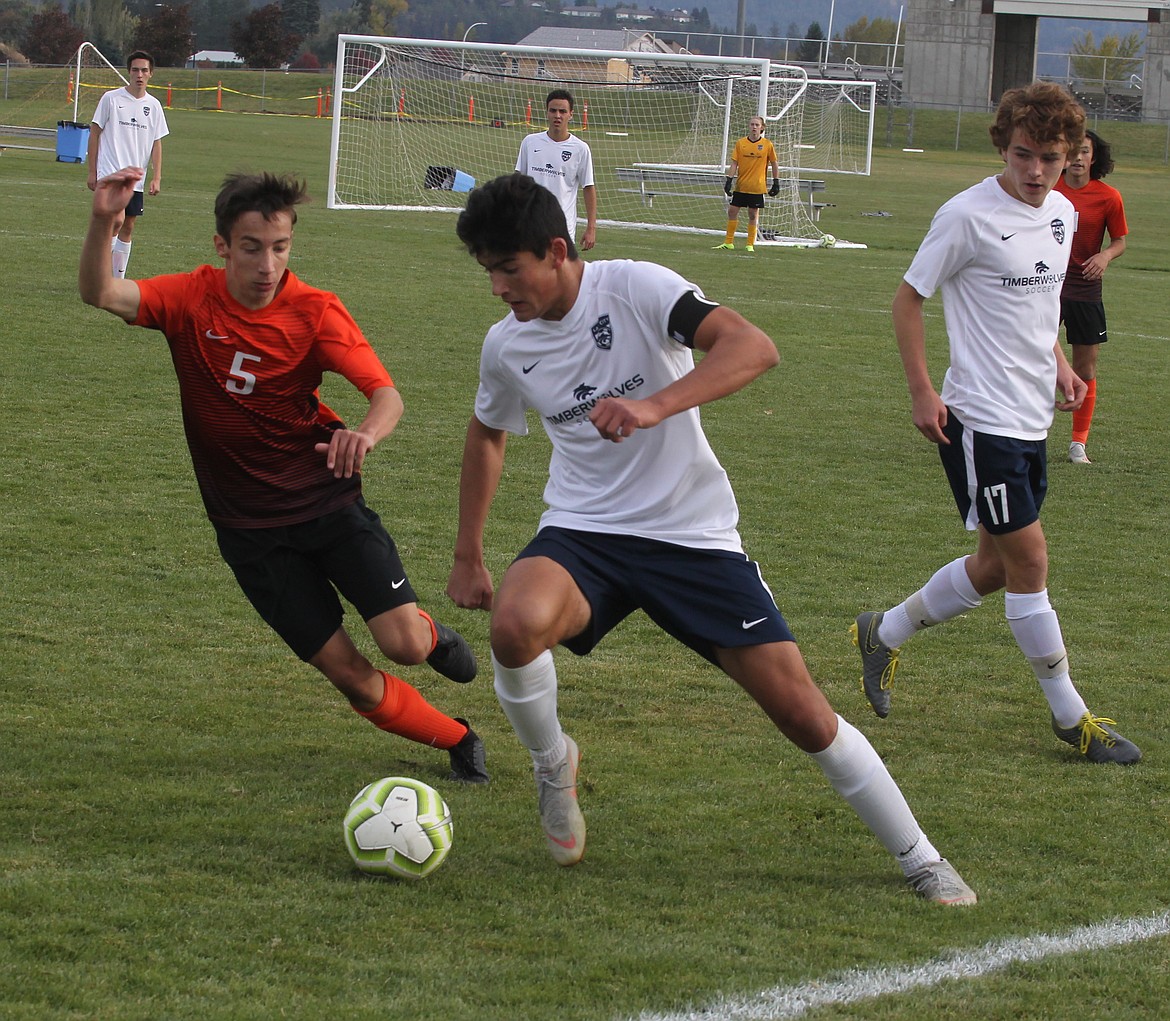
(417, 122)
(37, 99)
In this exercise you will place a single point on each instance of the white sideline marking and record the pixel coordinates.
(855, 986)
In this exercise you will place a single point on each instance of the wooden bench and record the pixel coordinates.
(678, 182)
(20, 131)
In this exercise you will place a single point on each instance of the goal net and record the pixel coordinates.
(417, 122)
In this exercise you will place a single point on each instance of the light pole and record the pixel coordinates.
(463, 53)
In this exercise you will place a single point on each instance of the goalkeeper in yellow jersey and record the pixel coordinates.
(750, 160)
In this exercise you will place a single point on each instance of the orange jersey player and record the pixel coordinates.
(1099, 209)
(278, 471)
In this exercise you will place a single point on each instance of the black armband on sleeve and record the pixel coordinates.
(688, 312)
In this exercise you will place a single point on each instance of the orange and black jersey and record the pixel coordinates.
(1099, 209)
(248, 385)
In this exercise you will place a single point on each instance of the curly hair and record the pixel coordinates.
(1044, 111)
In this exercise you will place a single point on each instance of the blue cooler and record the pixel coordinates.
(72, 142)
(462, 182)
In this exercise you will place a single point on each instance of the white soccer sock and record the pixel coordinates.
(528, 696)
(1037, 632)
(947, 594)
(858, 774)
(121, 256)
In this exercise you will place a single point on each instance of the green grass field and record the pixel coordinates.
(172, 780)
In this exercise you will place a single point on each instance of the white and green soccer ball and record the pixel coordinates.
(828, 241)
(398, 827)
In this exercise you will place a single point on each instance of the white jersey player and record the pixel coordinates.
(640, 513)
(127, 130)
(999, 252)
(563, 163)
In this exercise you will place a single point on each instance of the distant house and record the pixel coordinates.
(526, 65)
(577, 38)
(215, 58)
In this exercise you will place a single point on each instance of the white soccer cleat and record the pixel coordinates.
(564, 825)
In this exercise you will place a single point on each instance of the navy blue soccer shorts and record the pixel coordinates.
(707, 599)
(998, 482)
(289, 573)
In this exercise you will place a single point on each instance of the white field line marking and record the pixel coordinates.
(855, 986)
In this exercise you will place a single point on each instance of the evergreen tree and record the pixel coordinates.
(302, 17)
(262, 40)
(166, 35)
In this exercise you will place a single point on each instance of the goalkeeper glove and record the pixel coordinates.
(727, 185)
(775, 189)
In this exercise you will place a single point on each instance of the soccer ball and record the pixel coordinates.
(828, 241)
(398, 827)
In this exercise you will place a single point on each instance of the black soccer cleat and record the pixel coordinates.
(1095, 738)
(468, 761)
(452, 656)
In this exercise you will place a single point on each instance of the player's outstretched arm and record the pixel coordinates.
(95, 280)
(927, 409)
(470, 583)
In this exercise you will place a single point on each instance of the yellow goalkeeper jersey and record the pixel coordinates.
(753, 160)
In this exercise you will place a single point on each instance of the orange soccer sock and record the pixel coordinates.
(751, 233)
(731, 225)
(434, 630)
(1083, 416)
(403, 711)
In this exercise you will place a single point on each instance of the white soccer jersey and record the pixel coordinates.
(662, 483)
(1001, 264)
(562, 167)
(130, 127)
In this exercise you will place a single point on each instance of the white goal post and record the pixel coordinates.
(69, 90)
(416, 122)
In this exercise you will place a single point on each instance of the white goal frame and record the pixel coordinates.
(80, 66)
(407, 134)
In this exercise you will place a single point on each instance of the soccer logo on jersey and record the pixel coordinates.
(603, 333)
(566, 155)
(583, 392)
(146, 111)
(1057, 226)
(1041, 267)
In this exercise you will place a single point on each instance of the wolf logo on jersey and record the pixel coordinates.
(603, 333)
